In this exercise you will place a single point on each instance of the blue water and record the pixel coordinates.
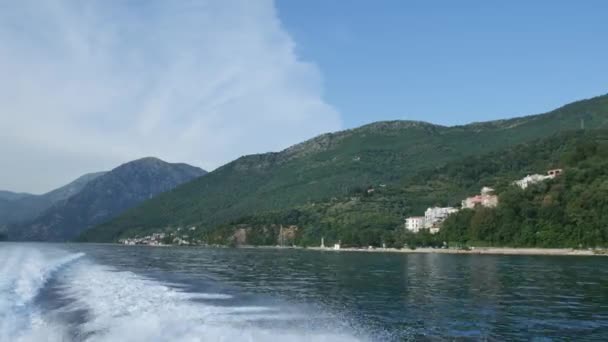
(74, 292)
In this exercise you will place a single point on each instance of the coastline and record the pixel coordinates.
(472, 251)
(424, 250)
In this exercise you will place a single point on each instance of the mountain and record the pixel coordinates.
(12, 196)
(72, 188)
(373, 216)
(20, 207)
(334, 164)
(104, 197)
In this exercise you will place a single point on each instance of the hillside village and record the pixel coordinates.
(432, 220)
(435, 216)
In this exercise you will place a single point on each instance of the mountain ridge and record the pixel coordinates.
(11, 196)
(23, 207)
(332, 164)
(103, 197)
(555, 213)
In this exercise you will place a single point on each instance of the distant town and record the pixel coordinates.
(164, 239)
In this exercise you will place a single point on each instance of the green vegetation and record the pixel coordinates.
(374, 218)
(322, 185)
(569, 211)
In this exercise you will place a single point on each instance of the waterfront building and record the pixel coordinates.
(414, 223)
(433, 217)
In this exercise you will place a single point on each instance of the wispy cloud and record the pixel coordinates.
(86, 85)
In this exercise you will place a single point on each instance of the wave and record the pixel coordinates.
(24, 271)
(123, 306)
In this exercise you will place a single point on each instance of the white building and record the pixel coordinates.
(414, 224)
(487, 191)
(485, 199)
(536, 178)
(529, 180)
(433, 217)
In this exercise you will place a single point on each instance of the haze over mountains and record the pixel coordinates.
(332, 165)
(64, 213)
(19, 207)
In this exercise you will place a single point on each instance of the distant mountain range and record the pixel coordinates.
(333, 165)
(20, 207)
(94, 198)
(12, 196)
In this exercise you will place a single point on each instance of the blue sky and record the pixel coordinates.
(451, 62)
(88, 85)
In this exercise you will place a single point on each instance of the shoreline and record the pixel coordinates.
(472, 251)
(531, 251)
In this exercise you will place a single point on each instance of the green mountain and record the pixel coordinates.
(568, 211)
(374, 215)
(104, 197)
(21, 207)
(335, 165)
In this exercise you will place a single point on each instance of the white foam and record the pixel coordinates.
(211, 296)
(125, 306)
(24, 270)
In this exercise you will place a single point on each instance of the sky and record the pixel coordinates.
(88, 85)
(451, 62)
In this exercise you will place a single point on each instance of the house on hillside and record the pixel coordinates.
(525, 182)
(433, 217)
(555, 172)
(487, 199)
(414, 223)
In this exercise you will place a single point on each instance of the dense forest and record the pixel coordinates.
(571, 210)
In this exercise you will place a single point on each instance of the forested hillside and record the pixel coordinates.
(569, 211)
(374, 215)
(382, 155)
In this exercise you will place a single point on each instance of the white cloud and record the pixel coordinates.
(86, 85)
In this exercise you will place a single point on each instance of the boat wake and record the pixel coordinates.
(102, 303)
(23, 273)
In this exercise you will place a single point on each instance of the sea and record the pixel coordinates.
(94, 292)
